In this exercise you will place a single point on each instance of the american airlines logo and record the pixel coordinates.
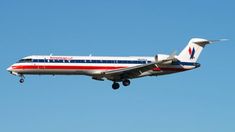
(191, 52)
(60, 58)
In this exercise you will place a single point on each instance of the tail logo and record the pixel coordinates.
(191, 52)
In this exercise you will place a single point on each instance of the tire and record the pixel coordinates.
(115, 86)
(21, 80)
(126, 82)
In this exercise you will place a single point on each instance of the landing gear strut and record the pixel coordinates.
(115, 85)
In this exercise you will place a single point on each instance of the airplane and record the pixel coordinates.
(115, 69)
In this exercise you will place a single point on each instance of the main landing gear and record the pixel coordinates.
(116, 85)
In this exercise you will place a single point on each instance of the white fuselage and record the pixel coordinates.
(89, 65)
(116, 69)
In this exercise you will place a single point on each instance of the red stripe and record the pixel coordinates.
(69, 67)
(22, 67)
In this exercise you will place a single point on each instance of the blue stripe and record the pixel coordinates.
(100, 61)
(185, 63)
(84, 61)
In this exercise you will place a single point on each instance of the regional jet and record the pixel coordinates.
(115, 69)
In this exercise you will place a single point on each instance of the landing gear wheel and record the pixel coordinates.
(115, 86)
(126, 82)
(21, 80)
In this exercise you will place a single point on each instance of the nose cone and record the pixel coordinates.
(9, 69)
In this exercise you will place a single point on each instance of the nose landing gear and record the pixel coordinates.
(21, 78)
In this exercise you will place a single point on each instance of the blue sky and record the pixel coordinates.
(199, 100)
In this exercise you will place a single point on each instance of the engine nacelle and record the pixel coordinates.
(160, 57)
(156, 58)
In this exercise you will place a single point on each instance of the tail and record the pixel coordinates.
(194, 48)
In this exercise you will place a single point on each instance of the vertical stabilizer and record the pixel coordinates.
(194, 48)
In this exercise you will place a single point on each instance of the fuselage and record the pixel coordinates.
(116, 69)
(91, 65)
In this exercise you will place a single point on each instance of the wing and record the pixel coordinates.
(135, 71)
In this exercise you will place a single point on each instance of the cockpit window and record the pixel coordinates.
(24, 60)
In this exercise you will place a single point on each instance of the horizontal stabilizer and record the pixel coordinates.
(195, 46)
(204, 42)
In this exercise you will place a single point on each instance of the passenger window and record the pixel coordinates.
(72, 61)
(35, 60)
(82, 61)
(58, 61)
(51, 61)
(40, 60)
